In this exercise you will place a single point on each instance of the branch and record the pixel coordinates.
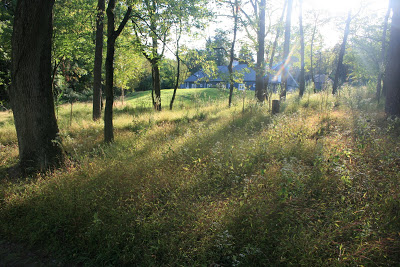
(123, 22)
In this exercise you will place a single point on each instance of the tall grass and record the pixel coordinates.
(203, 184)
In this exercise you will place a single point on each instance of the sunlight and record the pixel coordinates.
(340, 7)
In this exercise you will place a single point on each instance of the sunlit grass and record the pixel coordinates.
(205, 184)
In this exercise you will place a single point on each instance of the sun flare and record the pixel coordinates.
(339, 7)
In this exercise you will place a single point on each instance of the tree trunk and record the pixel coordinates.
(286, 51)
(392, 106)
(31, 91)
(302, 72)
(155, 71)
(112, 35)
(260, 69)
(274, 45)
(235, 11)
(108, 112)
(178, 60)
(98, 59)
(383, 56)
(312, 53)
(339, 69)
(278, 34)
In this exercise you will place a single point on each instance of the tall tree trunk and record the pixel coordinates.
(286, 50)
(274, 45)
(178, 60)
(155, 72)
(112, 35)
(383, 56)
(339, 69)
(278, 34)
(31, 91)
(260, 68)
(302, 78)
(311, 55)
(392, 106)
(98, 59)
(235, 12)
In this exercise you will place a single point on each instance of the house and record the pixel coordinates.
(221, 78)
(243, 72)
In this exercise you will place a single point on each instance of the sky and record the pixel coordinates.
(340, 8)
(333, 8)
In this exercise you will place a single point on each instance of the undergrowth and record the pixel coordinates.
(316, 185)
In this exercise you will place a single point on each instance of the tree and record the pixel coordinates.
(112, 36)
(73, 48)
(178, 60)
(6, 17)
(383, 55)
(339, 69)
(186, 16)
(98, 59)
(316, 16)
(392, 106)
(152, 22)
(278, 33)
(217, 47)
(260, 66)
(302, 84)
(245, 54)
(286, 48)
(31, 95)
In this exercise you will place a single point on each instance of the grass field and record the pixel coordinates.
(205, 185)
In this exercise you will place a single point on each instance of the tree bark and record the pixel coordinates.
(302, 82)
(278, 34)
(98, 60)
(383, 56)
(260, 68)
(235, 11)
(155, 72)
(178, 60)
(31, 91)
(311, 55)
(392, 106)
(339, 69)
(286, 50)
(112, 35)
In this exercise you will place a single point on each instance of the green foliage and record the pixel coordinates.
(6, 17)
(130, 66)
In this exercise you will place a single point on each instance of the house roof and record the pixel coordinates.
(194, 77)
(249, 73)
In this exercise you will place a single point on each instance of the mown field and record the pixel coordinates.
(205, 185)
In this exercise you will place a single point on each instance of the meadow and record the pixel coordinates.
(208, 185)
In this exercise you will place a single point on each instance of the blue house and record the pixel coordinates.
(243, 71)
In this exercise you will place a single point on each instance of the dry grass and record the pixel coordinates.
(316, 185)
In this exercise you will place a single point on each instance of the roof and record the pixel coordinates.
(194, 77)
(249, 73)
